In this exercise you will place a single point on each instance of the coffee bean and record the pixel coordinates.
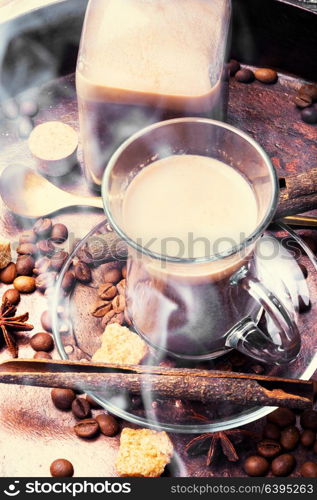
(46, 321)
(12, 296)
(85, 256)
(28, 237)
(283, 417)
(308, 420)
(68, 281)
(42, 355)
(107, 291)
(63, 398)
(41, 266)
(24, 284)
(92, 402)
(290, 438)
(81, 408)
(308, 469)
(59, 233)
(61, 468)
(27, 249)
(25, 265)
(309, 115)
(304, 270)
(58, 260)
(118, 304)
(87, 428)
(256, 466)
(45, 281)
(43, 228)
(302, 101)
(10, 109)
(233, 67)
(268, 448)
(121, 287)
(283, 465)
(271, 431)
(107, 318)
(82, 272)
(308, 438)
(42, 341)
(112, 272)
(309, 90)
(100, 309)
(244, 76)
(108, 424)
(8, 274)
(45, 247)
(266, 75)
(28, 107)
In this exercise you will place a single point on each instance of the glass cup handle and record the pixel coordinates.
(249, 339)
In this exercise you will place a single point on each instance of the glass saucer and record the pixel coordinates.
(77, 335)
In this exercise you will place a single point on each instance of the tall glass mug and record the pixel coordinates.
(198, 307)
(142, 61)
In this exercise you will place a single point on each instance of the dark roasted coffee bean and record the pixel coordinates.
(308, 438)
(27, 249)
(92, 402)
(108, 424)
(289, 438)
(45, 247)
(233, 67)
(283, 465)
(59, 233)
(12, 296)
(24, 126)
(309, 115)
(8, 274)
(10, 109)
(46, 321)
(28, 107)
(310, 90)
(308, 469)
(45, 281)
(28, 237)
(25, 265)
(63, 398)
(58, 259)
(68, 281)
(304, 270)
(268, 448)
(41, 266)
(256, 466)
(43, 228)
(42, 341)
(308, 420)
(272, 431)
(107, 291)
(81, 408)
(283, 417)
(87, 428)
(244, 75)
(266, 75)
(82, 272)
(61, 468)
(42, 355)
(302, 101)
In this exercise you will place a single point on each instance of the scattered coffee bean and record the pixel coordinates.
(12, 296)
(45, 281)
(61, 468)
(87, 428)
(271, 431)
(25, 265)
(28, 237)
(308, 438)
(46, 321)
(92, 402)
(10, 109)
(63, 398)
(233, 67)
(309, 115)
(82, 272)
(244, 75)
(42, 355)
(118, 304)
(256, 466)
(268, 448)
(28, 107)
(68, 281)
(58, 260)
(302, 101)
(81, 408)
(308, 469)
(27, 249)
(8, 274)
(266, 75)
(283, 465)
(283, 417)
(108, 424)
(289, 438)
(304, 270)
(24, 284)
(42, 341)
(59, 233)
(41, 266)
(100, 309)
(112, 272)
(43, 228)
(45, 247)
(124, 272)
(107, 291)
(309, 90)
(308, 420)
(24, 127)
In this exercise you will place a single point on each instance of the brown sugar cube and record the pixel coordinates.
(54, 145)
(120, 345)
(143, 453)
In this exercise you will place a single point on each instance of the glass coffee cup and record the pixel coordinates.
(197, 306)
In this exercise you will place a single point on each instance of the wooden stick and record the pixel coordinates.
(179, 383)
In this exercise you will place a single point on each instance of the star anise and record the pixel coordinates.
(217, 440)
(9, 324)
